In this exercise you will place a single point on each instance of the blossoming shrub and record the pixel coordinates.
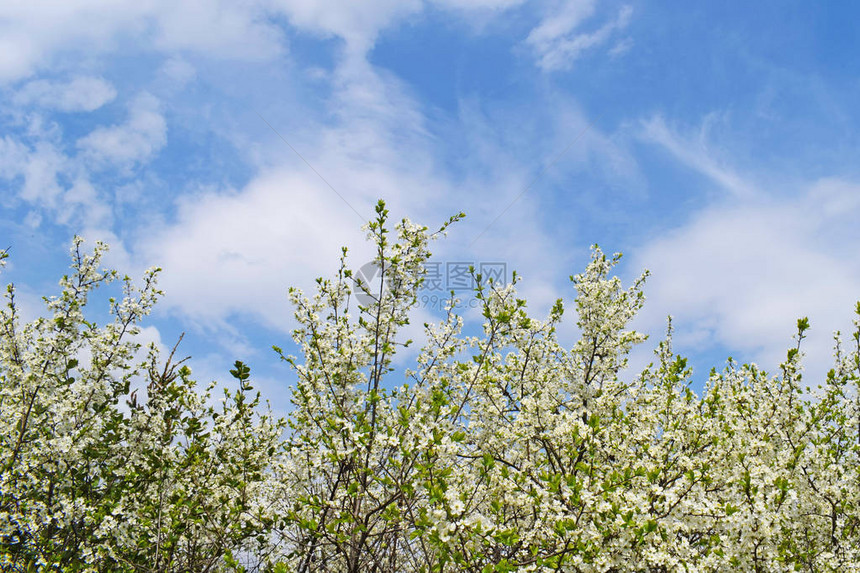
(507, 451)
(503, 451)
(97, 478)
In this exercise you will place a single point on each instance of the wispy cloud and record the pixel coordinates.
(557, 42)
(694, 152)
(232, 252)
(80, 94)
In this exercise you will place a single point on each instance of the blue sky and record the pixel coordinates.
(715, 145)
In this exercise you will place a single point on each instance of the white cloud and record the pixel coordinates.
(18, 53)
(234, 253)
(567, 16)
(357, 23)
(40, 172)
(39, 33)
(135, 141)
(33, 219)
(621, 47)
(13, 154)
(360, 23)
(743, 270)
(229, 253)
(478, 5)
(42, 33)
(222, 28)
(82, 200)
(178, 71)
(556, 42)
(83, 93)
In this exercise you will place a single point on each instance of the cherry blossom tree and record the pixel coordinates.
(499, 450)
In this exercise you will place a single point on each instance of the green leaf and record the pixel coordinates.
(241, 372)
